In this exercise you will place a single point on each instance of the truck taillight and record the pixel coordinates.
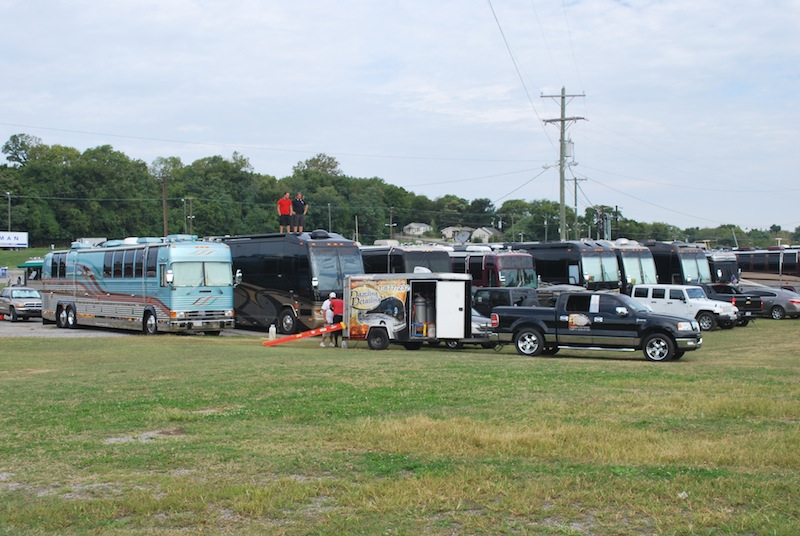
(495, 320)
(733, 301)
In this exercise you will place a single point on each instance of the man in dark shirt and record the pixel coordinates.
(299, 208)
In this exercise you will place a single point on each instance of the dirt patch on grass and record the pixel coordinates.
(145, 437)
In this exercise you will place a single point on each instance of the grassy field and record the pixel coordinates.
(208, 435)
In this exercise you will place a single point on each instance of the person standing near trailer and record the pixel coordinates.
(299, 211)
(327, 312)
(337, 306)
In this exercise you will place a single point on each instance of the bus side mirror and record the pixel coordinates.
(314, 282)
(170, 277)
(237, 279)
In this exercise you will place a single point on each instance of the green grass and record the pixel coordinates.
(177, 434)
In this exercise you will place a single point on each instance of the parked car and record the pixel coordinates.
(690, 301)
(484, 299)
(20, 303)
(778, 303)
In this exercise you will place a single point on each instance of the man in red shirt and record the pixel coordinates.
(285, 212)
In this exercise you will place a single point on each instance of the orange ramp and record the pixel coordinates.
(305, 334)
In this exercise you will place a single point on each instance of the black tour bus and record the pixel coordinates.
(584, 263)
(397, 259)
(286, 277)
(679, 263)
(636, 263)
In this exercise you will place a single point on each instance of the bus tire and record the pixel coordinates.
(287, 322)
(149, 323)
(61, 316)
(378, 339)
(72, 318)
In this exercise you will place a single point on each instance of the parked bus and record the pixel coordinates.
(723, 265)
(397, 259)
(774, 266)
(636, 263)
(680, 263)
(490, 268)
(583, 263)
(172, 284)
(287, 277)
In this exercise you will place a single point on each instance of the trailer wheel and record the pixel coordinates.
(455, 345)
(378, 339)
(529, 341)
(412, 345)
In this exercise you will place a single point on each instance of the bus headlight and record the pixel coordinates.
(229, 313)
(178, 315)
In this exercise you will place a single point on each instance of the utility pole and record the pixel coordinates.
(562, 223)
(577, 231)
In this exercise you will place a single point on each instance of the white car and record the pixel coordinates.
(688, 301)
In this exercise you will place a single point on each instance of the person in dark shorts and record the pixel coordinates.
(285, 212)
(299, 210)
(337, 305)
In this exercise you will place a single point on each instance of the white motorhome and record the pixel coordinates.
(689, 301)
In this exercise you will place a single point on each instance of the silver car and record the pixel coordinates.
(778, 303)
(20, 302)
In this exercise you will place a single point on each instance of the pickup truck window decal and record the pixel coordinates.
(579, 322)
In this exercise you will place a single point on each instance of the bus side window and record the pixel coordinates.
(152, 262)
(108, 258)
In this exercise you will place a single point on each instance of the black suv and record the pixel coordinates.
(485, 298)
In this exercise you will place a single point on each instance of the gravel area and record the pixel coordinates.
(35, 328)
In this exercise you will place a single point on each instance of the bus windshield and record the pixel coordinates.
(695, 269)
(600, 267)
(435, 261)
(518, 277)
(639, 270)
(208, 274)
(330, 264)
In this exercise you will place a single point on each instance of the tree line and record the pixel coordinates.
(57, 194)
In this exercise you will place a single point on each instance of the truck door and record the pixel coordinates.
(609, 327)
(452, 313)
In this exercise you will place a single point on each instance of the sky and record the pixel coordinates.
(681, 112)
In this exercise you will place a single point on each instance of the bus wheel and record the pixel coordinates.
(149, 324)
(61, 316)
(72, 318)
(378, 339)
(287, 322)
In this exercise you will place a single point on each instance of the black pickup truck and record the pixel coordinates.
(750, 306)
(595, 320)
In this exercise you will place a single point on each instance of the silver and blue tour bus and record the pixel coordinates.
(172, 284)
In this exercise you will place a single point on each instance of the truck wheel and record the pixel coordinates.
(529, 341)
(378, 339)
(777, 313)
(707, 321)
(658, 347)
(678, 354)
(287, 322)
(550, 350)
(13, 315)
(743, 322)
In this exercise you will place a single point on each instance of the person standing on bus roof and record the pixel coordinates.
(285, 212)
(299, 209)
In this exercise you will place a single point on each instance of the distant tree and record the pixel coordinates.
(18, 146)
(322, 163)
(775, 228)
